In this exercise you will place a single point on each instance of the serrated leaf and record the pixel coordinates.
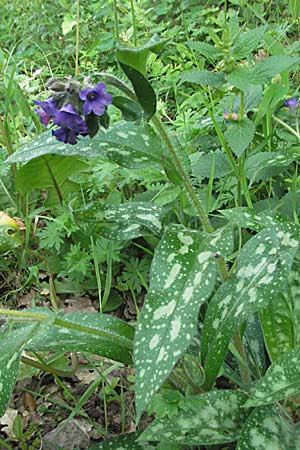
(265, 429)
(207, 50)
(262, 270)
(240, 77)
(123, 442)
(281, 380)
(278, 327)
(202, 164)
(265, 165)
(130, 220)
(215, 417)
(203, 77)
(271, 66)
(248, 41)
(125, 143)
(12, 346)
(182, 278)
(104, 335)
(239, 135)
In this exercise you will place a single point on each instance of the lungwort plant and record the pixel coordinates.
(216, 345)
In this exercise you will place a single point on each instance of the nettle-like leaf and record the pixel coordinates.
(182, 278)
(266, 429)
(125, 143)
(103, 335)
(130, 220)
(248, 41)
(207, 50)
(239, 135)
(203, 77)
(277, 322)
(124, 442)
(262, 270)
(267, 68)
(215, 417)
(12, 346)
(216, 163)
(281, 380)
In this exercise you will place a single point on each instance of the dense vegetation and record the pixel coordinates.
(149, 225)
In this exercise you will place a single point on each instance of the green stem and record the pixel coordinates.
(285, 125)
(47, 368)
(77, 38)
(245, 373)
(116, 20)
(133, 23)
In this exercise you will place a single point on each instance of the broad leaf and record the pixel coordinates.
(272, 96)
(266, 429)
(182, 278)
(131, 111)
(248, 218)
(101, 334)
(239, 135)
(248, 41)
(202, 165)
(207, 50)
(278, 327)
(281, 380)
(215, 417)
(265, 165)
(262, 270)
(12, 345)
(203, 77)
(271, 66)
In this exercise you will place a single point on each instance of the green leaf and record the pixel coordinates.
(281, 380)
(240, 78)
(239, 135)
(265, 429)
(272, 96)
(130, 220)
(182, 278)
(262, 270)
(142, 89)
(68, 23)
(265, 165)
(215, 417)
(136, 57)
(104, 335)
(131, 111)
(12, 345)
(247, 42)
(125, 143)
(51, 171)
(278, 327)
(123, 442)
(207, 50)
(202, 164)
(249, 218)
(203, 77)
(273, 65)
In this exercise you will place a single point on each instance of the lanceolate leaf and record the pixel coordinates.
(203, 77)
(215, 417)
(266, 429)
(262, 270)
(281, 380)
(12, 344)
(182, 278)
(248, 41)
(278, 327)
(103, 335)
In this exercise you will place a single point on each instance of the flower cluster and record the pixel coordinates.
(74, 111)
(230, 115)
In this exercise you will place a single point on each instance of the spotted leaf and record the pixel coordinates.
(182, 278)
(266, 429)
(278, 326)
(124, 442)
(125, 143)
(262, 270)
(281, 380)
(12, 345)
(215, 417)
(249, 218)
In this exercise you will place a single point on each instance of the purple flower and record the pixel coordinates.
(67, 117)
(47, 111)
(292, 103)
(95, 99)
(65, 135)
